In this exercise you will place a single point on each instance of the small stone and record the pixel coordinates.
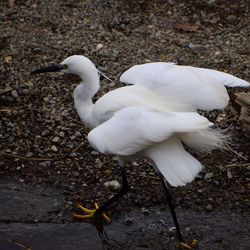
(209, 207)
(112, 184)
(54, 148)
(135, 164)
(112, 84)
(94, 152)
(217, 53)
(75, 173)
(14, 93)
(129, 221)
(44, 163)
(145, 211)
(231, 18)
(208, 175)
(98, 163)
(38, 139)
(56, 139)
(78, 134)
(45, 132)
(29, 154)
(8, 59)
(99, 46)
(172, 229)
(62, 134)
(229, 174)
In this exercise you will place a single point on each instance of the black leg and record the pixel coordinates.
(122, 191)
(171, 207)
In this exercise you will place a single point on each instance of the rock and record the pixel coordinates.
(54, 148)
(62, 134)
(208, 175)
(129, 221)
(231, 18)
(38, 140)
(44, 163)
(56, 139)
(229, 174)
(172, 229)
(14, 93)
(145, 211)
(45, 132)
(93, 152)
(115, 185)
(99, 46)
(209, 207)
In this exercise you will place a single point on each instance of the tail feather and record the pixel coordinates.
(204, 140)
(174, 162)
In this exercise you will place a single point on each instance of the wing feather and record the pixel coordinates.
(202, 88)
(133, 129)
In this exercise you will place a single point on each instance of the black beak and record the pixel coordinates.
(52, 68)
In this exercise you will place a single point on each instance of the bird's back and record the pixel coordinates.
(134, 95)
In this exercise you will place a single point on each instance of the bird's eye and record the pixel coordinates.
(65, 66)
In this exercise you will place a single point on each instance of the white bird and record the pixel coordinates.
(154, 118)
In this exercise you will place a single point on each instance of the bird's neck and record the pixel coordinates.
(83, 95)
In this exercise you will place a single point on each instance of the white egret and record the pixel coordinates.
(154, 118)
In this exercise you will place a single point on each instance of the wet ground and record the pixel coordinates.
(46, 164)
(32, 219)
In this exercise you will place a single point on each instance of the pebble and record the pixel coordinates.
(62, 134)
(172, 229)
(208, 175)
(129, 221)
(98, 163)
(229, 174)
(209, 207)
(112, 84)
(56, 139)
(145, 211)
(14, 93)
(94, 152)
(115, 185)
(75, 173)
(45, 132)
(38, 140)
(231, 18)
(54, 148)
(44, 163)
(99, 46)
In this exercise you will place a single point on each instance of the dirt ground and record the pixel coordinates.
(46, 164)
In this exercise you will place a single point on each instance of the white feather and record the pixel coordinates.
(201, 88)
(174, 162)
(140, 128)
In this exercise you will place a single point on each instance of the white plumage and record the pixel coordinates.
(201, 88)
(154, 117)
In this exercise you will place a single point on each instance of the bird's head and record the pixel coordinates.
(76, 64)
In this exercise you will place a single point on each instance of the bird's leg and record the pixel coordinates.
(172, 210)
(99, 212)
(171, 207)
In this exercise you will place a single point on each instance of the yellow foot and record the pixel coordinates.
(89, 213)
(190, 246)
